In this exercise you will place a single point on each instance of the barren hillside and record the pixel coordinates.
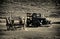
(19, 7)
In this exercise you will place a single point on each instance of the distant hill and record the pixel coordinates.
(19, 7)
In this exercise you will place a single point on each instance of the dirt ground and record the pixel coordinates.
(52, 32)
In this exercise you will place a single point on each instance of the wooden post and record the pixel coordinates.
(24, 24)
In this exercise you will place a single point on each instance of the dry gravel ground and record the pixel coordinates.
(52, 32)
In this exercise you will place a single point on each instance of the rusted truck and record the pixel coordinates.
(35, 20)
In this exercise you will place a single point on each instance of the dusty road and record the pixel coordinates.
(52, 32)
